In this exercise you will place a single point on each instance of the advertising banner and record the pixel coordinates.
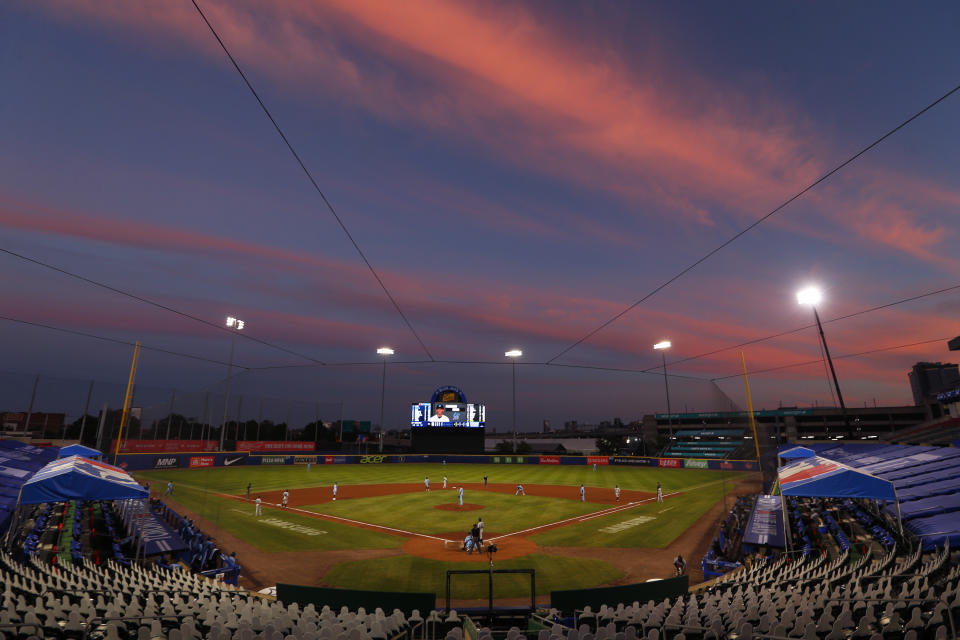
(765, 526)
(674, 463)
(273, 459)
(372, 459)
(163, 446)
(695, 464)
(229, 461)
(305, 459)
(636, 462)
(507, 460)
(201, 461)
(733, 465)
(549, 459)
(601, 460)
(166, 462)
(274, 445)
(335, 460)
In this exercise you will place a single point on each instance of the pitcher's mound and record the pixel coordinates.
(458, 507)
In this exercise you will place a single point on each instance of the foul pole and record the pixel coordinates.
(127, 399)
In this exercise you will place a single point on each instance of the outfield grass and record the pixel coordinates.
(652, 525)
(502, 512)
(411, 573)
(234, 480)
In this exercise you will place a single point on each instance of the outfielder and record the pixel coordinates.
(169, 491)
(659, 493)
(519, 491)
(426, 483)
(334, 489)
(583, 494)
(460, 495)
(257, 511)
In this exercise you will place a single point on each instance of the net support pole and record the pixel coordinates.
(753, 421)
(786, 521)
(127, 399)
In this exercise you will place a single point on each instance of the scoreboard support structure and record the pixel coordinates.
(447, 439)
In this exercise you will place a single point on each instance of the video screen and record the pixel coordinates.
(448, 414)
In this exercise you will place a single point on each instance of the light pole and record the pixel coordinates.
(513, 354)
(812, 296)
(383, 351)
(237, 325)
(662, 346)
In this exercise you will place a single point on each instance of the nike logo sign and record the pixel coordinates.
(229, 461)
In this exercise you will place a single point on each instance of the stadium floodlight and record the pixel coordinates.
(383, 351)
(662, 347)
(810, 295)
(813, 296)
(237, 324)
(513, 354)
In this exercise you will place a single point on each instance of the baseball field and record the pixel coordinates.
(386, 532)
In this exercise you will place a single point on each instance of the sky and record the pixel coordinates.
(516, 174)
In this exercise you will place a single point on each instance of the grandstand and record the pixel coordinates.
(705, 443)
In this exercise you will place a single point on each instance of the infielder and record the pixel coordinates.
(659, 493)
(257, 511)
(286, 497)
(444, 482)
(460, 495)
(334, 489)
(583, 494)
(519, 491)
(616, 492)
(426, 483)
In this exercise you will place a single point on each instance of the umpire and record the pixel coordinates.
(475, 534)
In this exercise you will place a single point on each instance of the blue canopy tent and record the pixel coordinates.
(79, 450)
(788, 452)
(817, 477)
(77, 478)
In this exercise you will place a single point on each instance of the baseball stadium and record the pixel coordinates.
(425, 320)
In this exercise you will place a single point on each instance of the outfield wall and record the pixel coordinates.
(204, 460)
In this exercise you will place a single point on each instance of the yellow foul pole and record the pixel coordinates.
(753, 422)
(127, 399)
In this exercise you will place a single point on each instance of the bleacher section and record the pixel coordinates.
(18, 462)
(927, 481)
(704, 443)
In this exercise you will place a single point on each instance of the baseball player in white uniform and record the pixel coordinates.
(444, 482)
(258, 511)
(616, 492)
(286, 497)
(334, 489)
(426, 484)
(583, 494)
(659, 493)
(460, 495)
(519, 491)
